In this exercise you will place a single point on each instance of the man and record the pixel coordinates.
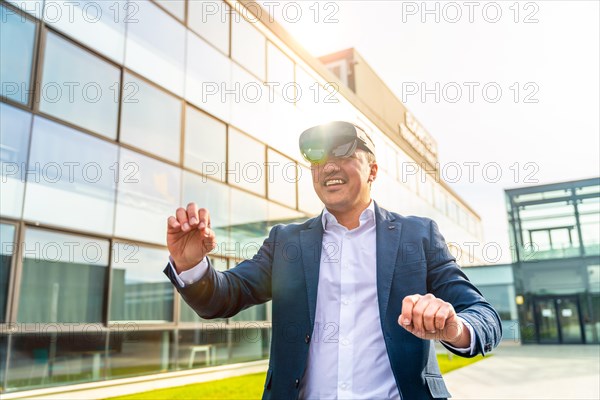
(358, 292)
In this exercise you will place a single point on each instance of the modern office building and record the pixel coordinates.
(115, 113)
(555, 234)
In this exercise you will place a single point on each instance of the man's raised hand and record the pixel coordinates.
(189, 237)
(429, 317)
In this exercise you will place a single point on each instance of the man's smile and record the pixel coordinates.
(334, 182)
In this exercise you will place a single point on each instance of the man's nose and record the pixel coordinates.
(330, 167)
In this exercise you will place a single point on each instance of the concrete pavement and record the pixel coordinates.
(530, 372)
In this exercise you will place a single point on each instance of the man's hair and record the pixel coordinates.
(371, 157)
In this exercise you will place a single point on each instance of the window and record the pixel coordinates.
(45, 358)
(175, 7)
(248, 46)
(248, 221)
(33, 7)
(158, 54)
(148, 192)
(150, 118)
(205, 144)
(79, 87)
(208, 77)
(308, 200)
(280, 68)
(16, 55)
(246, 168)
(211, 19)
(135, 352)
(14, 142)
(98, 24)
(282, 179)
(282, 126)
(249, 109)
(63, 277)
(140, 290)
(7, 250)
(68, 169)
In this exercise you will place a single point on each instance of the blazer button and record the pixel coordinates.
(297, 382)
(307, 339)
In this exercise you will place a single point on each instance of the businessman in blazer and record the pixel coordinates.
(358, 293)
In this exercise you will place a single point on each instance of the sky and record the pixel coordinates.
(536, 121)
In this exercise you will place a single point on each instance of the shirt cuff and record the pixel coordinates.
(192, 275)
(465, 350)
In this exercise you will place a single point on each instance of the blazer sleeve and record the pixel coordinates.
(224, 294)
(446, 280)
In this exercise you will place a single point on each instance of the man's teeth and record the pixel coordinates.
(334, 182)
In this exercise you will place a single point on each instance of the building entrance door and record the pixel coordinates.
(558, 319)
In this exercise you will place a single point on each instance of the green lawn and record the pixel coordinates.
(250, 386)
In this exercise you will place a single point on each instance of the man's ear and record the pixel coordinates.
(373, 172)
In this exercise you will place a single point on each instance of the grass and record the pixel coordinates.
(251, 386)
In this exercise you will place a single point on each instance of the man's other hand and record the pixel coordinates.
(189, 237)
(428, 317)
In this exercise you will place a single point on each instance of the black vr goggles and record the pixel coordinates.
(333, 139)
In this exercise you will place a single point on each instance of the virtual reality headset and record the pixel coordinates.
(333, 139)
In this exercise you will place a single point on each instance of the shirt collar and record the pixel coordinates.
(367, 215)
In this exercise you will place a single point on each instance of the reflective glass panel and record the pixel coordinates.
(248, 46)
(249, 224)
(16, 55)
(249, 105)
(175, 7)
(63, 277)
(308, 200)
(73, 174)
(158, 54)
(140, 291)
(282, 178)
(7, 250)
(150, 118)
(148, 192)
(134, 352)
(280, 68)
(210, 19)
(65, 356)
(98, 24)
(205, 144)
(246, 167)
(15, 125)
(33, 7)
(208, 78)
(79, 87)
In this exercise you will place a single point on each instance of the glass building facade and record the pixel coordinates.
(555, 237)
(115, 113)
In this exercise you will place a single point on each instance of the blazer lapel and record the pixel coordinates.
(388, 244)
(310, 245)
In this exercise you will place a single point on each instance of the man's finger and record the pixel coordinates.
(203, 218)
(182, 218)
(407, 309)
(192, 214)
(444, 312)
(430, 315)
(172, 225)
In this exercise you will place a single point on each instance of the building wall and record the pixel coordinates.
(113, 117)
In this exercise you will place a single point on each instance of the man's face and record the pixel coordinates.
(343, 184)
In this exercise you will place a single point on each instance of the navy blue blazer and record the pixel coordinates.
(412, 258)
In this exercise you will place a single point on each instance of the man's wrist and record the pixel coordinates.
(182, 266)
(463, 336)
